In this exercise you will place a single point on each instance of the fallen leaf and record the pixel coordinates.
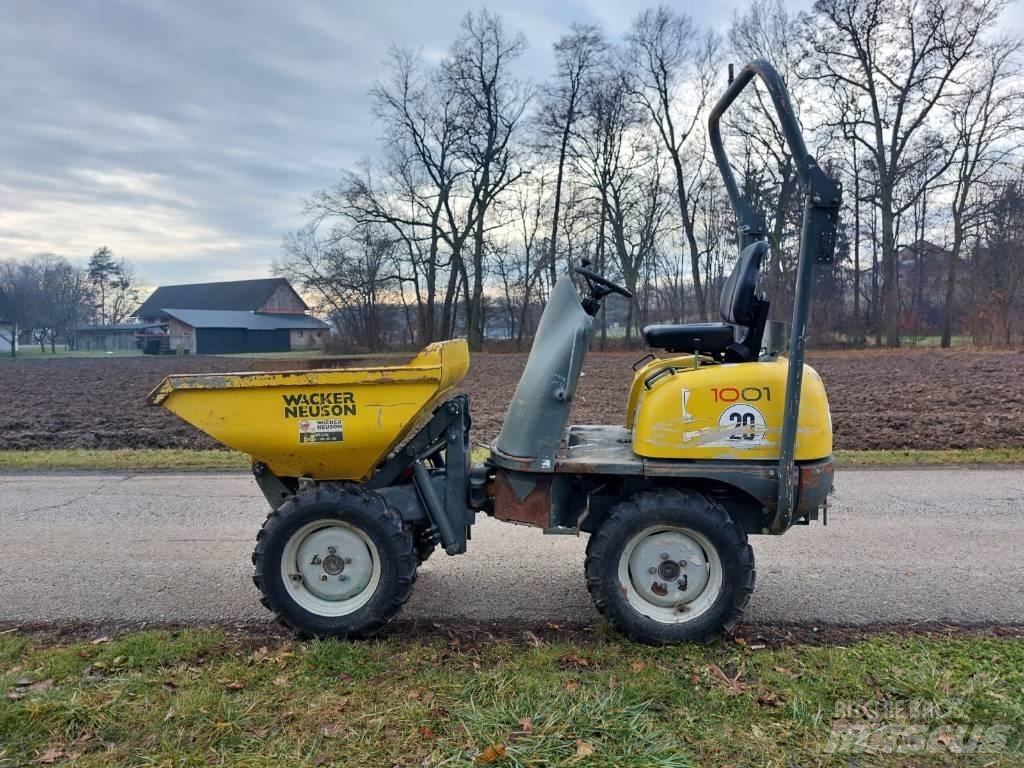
(414, 694)
(169, 715)
(534, 640)
(234, 685)
(768, 699)
(51, 755)
(42, 685)
(347, 678)
(100, 640)
(732, 683)
(490, 755)
(638, 666)
(584, 748)
(572, 659)
(945, 739)
(427, 733)
(260, 654)
(572, 686)
(526, 725)
(334, 730)
(15, 695)
(281, 681)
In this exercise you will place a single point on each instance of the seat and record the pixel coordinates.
(738, 339)
(708, 338)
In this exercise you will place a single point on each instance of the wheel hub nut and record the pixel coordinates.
(669, 570)
(333, 564)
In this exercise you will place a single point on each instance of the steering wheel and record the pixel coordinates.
(610, 287)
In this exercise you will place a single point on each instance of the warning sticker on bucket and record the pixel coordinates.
(320, 431)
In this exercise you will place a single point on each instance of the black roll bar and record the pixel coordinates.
(822, 199)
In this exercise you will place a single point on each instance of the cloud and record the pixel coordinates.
(186, 135)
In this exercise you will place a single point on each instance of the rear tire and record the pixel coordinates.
(670, 566)
(334, 561)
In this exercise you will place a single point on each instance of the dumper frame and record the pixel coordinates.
(539, 471)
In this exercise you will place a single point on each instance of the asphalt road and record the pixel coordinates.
(900, 546)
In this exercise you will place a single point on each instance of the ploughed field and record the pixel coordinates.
(922, 399)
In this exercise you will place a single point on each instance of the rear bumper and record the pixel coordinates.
(814, 486)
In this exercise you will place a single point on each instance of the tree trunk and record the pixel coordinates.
(858, 327)
(947, 306)
(890, 268)
(691, 239)
(553, 251)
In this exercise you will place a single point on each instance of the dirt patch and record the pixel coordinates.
(922, 399)
(468, 635)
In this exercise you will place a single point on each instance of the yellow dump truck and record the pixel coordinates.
(367, 470)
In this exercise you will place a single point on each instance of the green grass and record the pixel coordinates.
(917, 458)
(34, 353)
(198, 698)
(124, 459)
(151, 459)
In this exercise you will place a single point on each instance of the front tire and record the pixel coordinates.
(670, 566)
(334, 561)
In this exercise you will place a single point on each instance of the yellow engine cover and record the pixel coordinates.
(729, 411)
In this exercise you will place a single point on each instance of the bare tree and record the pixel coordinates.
(20, 287)
(493, 101)
(412, 195)
(599, 147)
(765, 30)
(578, 60)
(887, 66)
(671, 63)
(986, 117)
(349, 273)
(519, 259)
(998, 265)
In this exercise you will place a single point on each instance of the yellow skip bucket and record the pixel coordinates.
(330, 424)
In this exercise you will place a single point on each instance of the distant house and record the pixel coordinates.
(7, 325)
(223, 318)
(115, 336)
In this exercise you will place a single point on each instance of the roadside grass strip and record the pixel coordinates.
(205, 697)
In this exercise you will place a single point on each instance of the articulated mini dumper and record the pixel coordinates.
(368, 470)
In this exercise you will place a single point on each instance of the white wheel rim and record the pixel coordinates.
(670, 574)
(330, 568)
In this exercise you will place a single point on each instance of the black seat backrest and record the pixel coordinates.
(739, 304)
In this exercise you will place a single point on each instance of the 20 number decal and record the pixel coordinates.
(746, 422)
(742, 426)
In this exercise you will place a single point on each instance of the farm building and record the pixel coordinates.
(7, 326)
(222, 318)
(114, 337)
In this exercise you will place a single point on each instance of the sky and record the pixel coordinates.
(185, 135)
